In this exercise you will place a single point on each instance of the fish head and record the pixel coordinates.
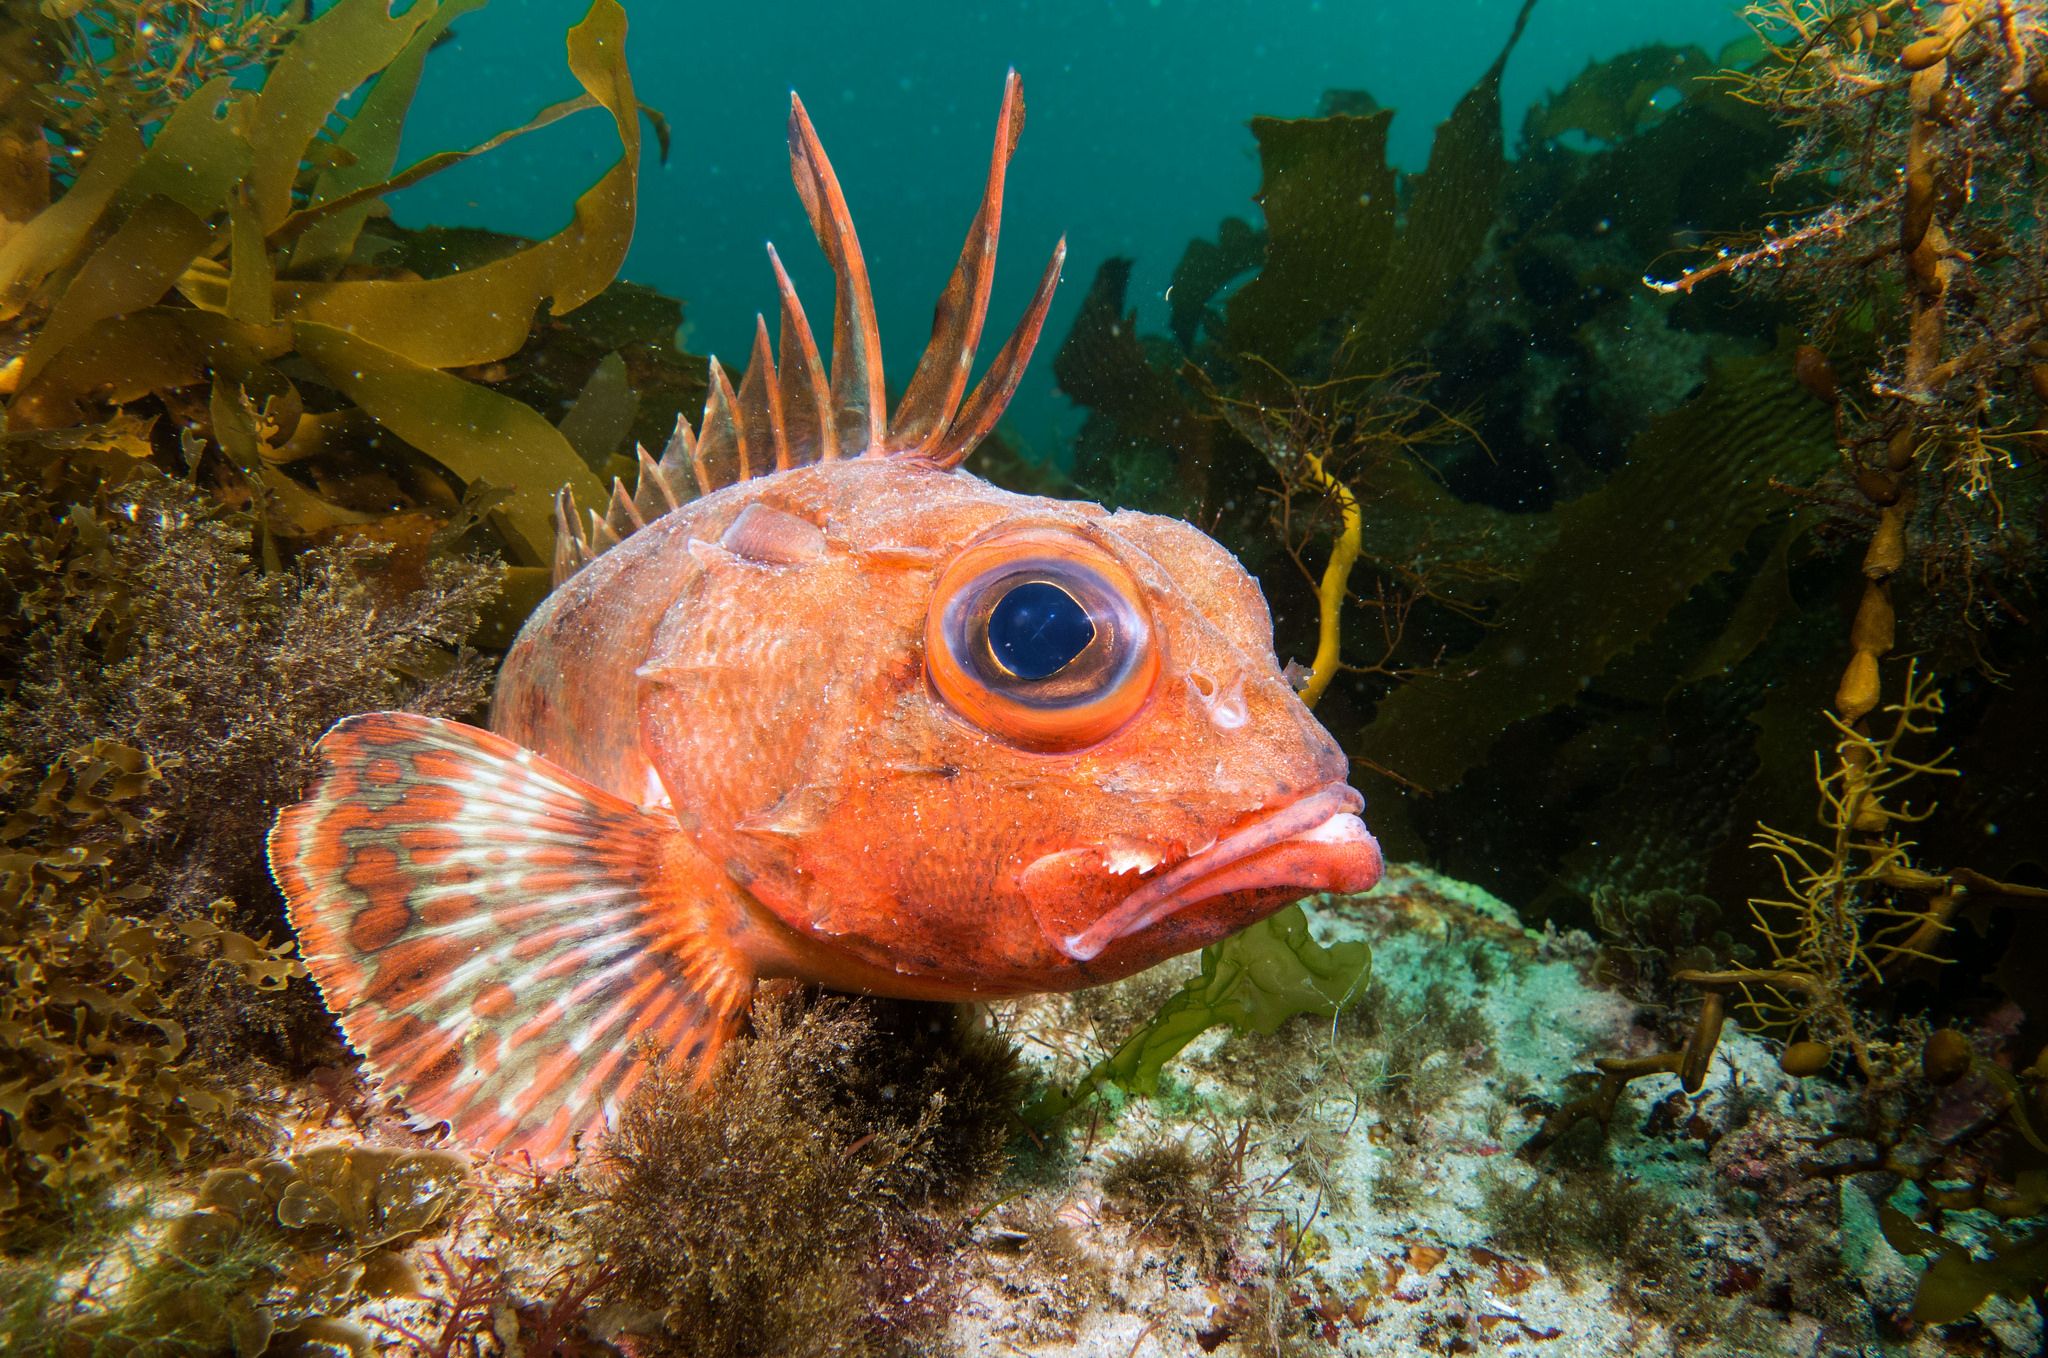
(994, 743)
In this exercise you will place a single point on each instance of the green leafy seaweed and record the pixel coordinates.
(1253, 981)
(1957, 1281)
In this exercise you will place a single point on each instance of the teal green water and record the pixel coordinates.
(1136, 138)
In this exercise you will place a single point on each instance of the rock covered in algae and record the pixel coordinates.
(1346, 1183)
(1354, 1186)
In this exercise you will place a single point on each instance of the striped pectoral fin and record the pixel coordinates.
(507, 945)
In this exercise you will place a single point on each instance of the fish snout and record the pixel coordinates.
(1324, 759)
(1089, 898)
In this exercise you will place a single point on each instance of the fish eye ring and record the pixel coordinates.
(1041, 638)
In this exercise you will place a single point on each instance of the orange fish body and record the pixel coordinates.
(861, 719)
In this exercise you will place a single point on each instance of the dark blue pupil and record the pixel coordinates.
(1037, 628)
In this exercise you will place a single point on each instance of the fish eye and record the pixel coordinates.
(1037, 629)
(1041, 638)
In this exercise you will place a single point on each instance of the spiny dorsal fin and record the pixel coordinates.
(789, 412)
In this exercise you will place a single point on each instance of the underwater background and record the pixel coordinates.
(1632, 414)
(1137, 142)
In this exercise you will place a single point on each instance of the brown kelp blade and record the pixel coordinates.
(859, 398)
(928, 403)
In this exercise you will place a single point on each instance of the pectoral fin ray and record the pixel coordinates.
(511, 948)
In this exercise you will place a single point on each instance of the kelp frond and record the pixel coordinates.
(212, 255)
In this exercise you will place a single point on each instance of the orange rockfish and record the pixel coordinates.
(850, 715)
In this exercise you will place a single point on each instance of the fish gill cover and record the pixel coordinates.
(1654, 511)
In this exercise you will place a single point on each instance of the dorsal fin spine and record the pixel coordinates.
(933, 396)
(718, 457)
(760, 405)
(985, 406)
(790, 410)
(859, 393)
(806, 399)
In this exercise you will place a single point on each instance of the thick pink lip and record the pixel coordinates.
(1317, 843)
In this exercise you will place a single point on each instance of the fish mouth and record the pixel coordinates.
(1317, 843)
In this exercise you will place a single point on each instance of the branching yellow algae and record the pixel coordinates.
(134, 61)
(1336, 581)
(95, 1075)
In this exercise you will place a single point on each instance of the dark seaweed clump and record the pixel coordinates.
(1190, 1200)
(141, 608)
(805, 1202)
